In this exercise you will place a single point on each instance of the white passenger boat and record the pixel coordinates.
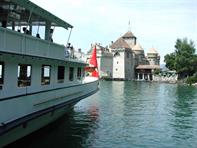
(38, 82)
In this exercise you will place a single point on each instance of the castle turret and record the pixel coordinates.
(139, 54)
(137, 49)
(153, 56)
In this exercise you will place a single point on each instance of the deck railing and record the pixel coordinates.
(19, 43)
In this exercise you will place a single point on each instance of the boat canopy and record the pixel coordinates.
(24, 12)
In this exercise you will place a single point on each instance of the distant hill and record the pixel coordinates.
(163, 67)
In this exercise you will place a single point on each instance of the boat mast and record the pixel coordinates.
(69, 36)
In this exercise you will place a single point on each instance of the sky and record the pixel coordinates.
(156, 23)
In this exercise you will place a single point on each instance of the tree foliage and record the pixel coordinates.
(184, 59)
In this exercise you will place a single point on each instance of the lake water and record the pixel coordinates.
(125, 115)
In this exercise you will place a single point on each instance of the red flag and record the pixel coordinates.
(93, 69)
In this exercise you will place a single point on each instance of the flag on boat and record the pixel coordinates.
(93, 60)
(93, 65)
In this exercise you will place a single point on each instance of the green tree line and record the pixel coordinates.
(183, 59)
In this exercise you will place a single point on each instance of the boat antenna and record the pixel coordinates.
(28, 23)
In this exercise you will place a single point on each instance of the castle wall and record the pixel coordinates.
(106, 66)
(119, 65)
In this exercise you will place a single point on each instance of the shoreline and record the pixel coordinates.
(180, 82)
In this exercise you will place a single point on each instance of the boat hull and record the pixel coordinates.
(24, 125)
(31, 126)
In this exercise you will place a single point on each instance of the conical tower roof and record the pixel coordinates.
(152, 50)
(128, 34)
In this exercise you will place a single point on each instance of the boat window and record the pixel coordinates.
(45, 74)
(1, 73)
(83, 72)
(79, 73)
(60, 75)
(71, 73)
(24, 75)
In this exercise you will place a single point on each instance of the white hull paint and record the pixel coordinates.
(38, 81)
(42, 111)
(31, 126)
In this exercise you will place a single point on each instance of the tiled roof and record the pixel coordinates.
(128, 34)
(137, 47)
(152, 50)
(148, 67)
(120, 43)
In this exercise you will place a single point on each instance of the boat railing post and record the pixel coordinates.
(4, 39)
(26, 32)
(47, 30)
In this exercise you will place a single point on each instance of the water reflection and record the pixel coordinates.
(184, 101)
(184, 111)
(126, 114)
(69, 131)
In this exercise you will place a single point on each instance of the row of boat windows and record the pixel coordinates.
(25, 72)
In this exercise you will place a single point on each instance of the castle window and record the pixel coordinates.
(1, 72)
(127, 54)
(116, 54)
(24, 75)
(45, 74)
(60, 74)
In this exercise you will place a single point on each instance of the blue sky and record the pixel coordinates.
(155, 23)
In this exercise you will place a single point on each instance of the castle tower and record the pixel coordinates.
(130, 39)
(122, 60)
(153, 57)
(139, 54)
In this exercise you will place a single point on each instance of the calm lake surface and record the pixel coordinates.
(125, 115)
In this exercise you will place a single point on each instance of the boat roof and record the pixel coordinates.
(18, 11)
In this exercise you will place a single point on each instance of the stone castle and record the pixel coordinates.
(125, 59)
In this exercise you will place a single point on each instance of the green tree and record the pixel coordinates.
(184, 59)
(170, 61)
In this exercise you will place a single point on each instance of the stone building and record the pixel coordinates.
(146, 71)
(104, 59)
(125, 60)
(123, 68)
(139, 55)
(153, 57)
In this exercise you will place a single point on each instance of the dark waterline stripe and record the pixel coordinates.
(4, 128)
